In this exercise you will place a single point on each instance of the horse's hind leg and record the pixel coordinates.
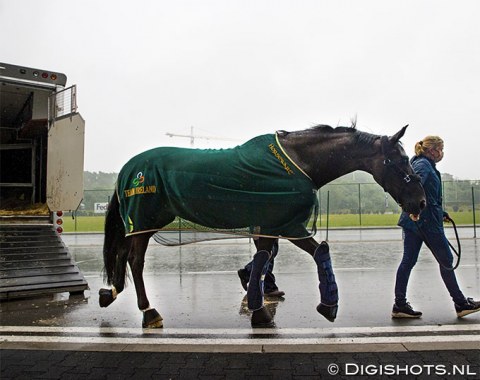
(261, 317)
(136, 260)
(328, 306)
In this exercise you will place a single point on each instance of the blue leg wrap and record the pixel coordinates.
(328, 286)
(260, 263)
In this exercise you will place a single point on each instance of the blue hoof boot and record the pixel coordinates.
(255, 285)
(328, 286)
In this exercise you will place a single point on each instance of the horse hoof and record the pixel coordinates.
(262, 318)
(329, 312)
(106, 297)
(152, 319)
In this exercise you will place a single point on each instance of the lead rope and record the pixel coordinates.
(457, 253)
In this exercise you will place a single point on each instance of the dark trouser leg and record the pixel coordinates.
(270, 282)
(412, 242)
(443, 254)
(439, 244)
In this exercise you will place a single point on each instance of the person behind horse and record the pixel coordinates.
(429, 230)
(270, 286)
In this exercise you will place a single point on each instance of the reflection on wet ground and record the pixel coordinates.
(372, 250)
(196, 286)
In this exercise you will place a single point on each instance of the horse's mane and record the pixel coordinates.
(360, 137)
(323, 128)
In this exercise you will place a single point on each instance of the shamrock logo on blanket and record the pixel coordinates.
(139, 179)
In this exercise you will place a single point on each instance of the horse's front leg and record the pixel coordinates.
(261, 317)
(136, 260)
(328, 306)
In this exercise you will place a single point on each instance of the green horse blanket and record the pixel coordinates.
(254, 187)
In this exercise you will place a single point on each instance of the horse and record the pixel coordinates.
(267, 185)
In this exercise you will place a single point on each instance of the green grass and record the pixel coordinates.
(84, 224)
(465, 217)
(96, 223)
(352, 220)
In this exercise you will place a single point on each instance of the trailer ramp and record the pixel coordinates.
(35, 261)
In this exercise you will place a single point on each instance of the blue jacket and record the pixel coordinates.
(431, 218)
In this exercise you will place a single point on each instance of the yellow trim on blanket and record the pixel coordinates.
(286, 155)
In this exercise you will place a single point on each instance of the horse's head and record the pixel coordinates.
(396, 175)
(325, 154)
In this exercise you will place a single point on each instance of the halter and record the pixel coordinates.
(395, 165)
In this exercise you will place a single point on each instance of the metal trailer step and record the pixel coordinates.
(34, 261)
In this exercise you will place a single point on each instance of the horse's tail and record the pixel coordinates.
(114, 238)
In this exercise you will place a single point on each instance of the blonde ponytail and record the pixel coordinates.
(429, 142)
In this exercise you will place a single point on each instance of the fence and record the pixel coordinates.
(346, 204)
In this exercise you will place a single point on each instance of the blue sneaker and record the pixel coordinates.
(469, 307)
(405, 311)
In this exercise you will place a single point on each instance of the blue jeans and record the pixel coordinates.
(412, 243)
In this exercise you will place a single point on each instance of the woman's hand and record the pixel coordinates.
(446, 217)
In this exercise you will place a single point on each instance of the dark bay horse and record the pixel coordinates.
(268, 184)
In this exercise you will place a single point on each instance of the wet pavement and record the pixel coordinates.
(196, 290)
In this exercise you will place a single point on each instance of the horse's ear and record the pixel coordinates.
(397, 136)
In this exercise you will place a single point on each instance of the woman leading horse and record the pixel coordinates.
(267, 185)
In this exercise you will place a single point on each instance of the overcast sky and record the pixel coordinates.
(237, 69)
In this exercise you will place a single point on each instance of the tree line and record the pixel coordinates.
(353, 193)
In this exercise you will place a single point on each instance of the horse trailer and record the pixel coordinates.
(41, 174)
